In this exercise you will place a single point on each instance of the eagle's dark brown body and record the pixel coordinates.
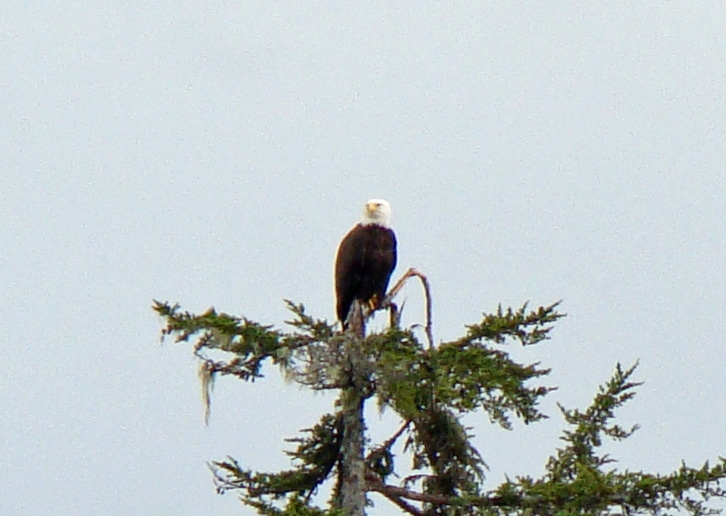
(366, 258)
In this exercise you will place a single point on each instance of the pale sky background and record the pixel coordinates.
(214, 153)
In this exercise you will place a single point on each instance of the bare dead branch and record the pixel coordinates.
(360, 313)
(410, 273)
(394, 315)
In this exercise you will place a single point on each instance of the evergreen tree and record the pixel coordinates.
(430, 388)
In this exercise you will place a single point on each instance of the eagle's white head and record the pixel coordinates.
(378, 212)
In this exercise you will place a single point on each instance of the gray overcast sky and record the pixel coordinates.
(215, 154)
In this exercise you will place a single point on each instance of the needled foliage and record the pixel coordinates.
(430, 388)
(314, 459)
(579, 480)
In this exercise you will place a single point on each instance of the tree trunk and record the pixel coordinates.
(351, 480)
(351, 487)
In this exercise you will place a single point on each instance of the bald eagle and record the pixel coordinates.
(365, 260)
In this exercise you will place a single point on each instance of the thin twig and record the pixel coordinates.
(391, 440)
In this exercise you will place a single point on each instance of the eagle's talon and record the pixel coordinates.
(373, 303)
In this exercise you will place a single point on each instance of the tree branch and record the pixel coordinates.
(375, 484)
(391, 440)
(410, 273)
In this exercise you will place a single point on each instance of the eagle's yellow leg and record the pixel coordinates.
(374, 303)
